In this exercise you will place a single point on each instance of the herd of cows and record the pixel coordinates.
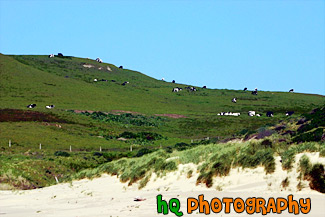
(190, 89)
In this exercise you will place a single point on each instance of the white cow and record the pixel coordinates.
(50, 106)
(251, 113)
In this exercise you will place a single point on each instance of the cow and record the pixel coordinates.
(50, 106)
(269, 114)
(103, 80)
(173, 81)
(176, 89)
(245, 88)
(99, 60)
(204, 87)
(163, 79)
(234, 100)
(113, 81)
(51, 55)
(258, 115)
(254, 92)
(289, 113)
(121, 67)
(125, 82)
(95, 80)
(190, 88)
(31, 106)
(60, 55)
(251, 113)
(291, 91)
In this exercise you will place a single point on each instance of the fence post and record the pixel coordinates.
(100, 148)
(191, 140)
(56, 179)
(40, 146)
(9, 143)
(70, 148)
(131, 148)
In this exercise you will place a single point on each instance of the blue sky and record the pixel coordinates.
(272, 45)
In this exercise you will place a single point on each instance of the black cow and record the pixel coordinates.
(291, 91)
(234, 100)
(204, 87)
(60, 54)
(173, 81)
(269, 114)
(254, 92)
(245, 88)
(31, 106)
(289, 113)
(113, 81)
(121, 67)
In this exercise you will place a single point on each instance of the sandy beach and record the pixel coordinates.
(107, 196)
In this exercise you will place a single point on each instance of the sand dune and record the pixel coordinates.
(107, 196)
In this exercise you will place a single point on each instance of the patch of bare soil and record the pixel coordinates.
(122, 111)
(171, 115)
(15, 115)
(83, 111)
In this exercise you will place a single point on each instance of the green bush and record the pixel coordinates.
(315, 135)
(62, 153)
(317, 175)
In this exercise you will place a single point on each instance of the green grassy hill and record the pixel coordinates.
(69, 84)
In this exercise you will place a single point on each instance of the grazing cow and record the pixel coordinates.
(204, 87)
(103, 80)
(234, 100)
(289, 113)
(190, 88)
(176, 89)
(258, 115)
(50, 106)
(95, 79)
(269, 114)
(229, 114)
(173, 81)
(121, 67)
(60, 54)
(31, 106)
(245, 88)
(251, 113)
(125, 82)
(291, 91)
(51, 55)
(99, 60)
(254, 92)
(163, 79)
(113, 81)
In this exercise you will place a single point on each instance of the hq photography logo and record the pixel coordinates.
(251, 205)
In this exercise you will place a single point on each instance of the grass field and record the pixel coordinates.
(121, 120)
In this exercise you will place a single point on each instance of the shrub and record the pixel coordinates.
(142, 152)
(317, 176)
(62, 153)
(315, 135)
(266, 143)
(181, 146)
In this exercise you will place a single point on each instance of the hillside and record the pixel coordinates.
(120, 120)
